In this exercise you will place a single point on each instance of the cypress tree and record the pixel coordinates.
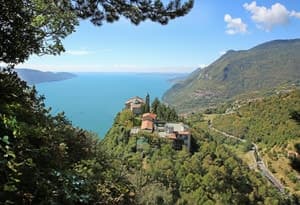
(147, 103)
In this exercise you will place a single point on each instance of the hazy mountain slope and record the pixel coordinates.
(263, 67)
(35, 76)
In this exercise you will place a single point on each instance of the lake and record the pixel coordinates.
(92, 100)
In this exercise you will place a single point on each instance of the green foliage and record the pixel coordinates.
(239, 74)
(164, 112)
(247, 146)
(126, 118)
(147, 104)
(33, 27)
(295, 161)
(136, 11)
(211, 175)
(45, 160)
(155, 104)
(295, 115)
(266, 120)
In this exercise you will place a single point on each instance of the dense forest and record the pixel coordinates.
(211, 174)
(273, 124)
(266, 120)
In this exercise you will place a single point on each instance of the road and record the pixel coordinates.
(265, 171)
(226, 134)
(258, 160)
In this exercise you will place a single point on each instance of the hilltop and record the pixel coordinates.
(247, 73)
(35, 76)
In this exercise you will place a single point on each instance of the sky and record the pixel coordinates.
(195, 40)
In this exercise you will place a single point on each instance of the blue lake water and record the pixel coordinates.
(91, 100)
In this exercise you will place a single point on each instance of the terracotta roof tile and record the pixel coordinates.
(172, 136)
(149, 116)
(147, 125)
(184, 133)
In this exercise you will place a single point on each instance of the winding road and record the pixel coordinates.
(258, 160)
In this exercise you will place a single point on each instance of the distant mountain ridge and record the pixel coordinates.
(35, 76)
(263, 67)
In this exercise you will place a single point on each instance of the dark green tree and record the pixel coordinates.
(155, 105)
(33, 27)
(295, 115)
(147, 104)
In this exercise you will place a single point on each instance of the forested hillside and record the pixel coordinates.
(212, 174)
(272, 123)
(249, 73)
(266, 120)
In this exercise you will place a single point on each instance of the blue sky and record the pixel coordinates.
(197, 39)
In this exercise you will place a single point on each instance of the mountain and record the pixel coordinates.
(247, 73)
(35, 76)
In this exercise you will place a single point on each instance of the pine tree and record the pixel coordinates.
(155, 104)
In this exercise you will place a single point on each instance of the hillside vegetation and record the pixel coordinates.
(247, 73)
(211, 174)
(273, 124)
(267, 121)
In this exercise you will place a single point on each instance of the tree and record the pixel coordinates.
(45, 160)
(38, 26)
(33, 27)
(147, 103)
(155, 104)
(295, 115)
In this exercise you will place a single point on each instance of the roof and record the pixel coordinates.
(134, 100)
(149, 115)
(177, 127)
(147, 125)
(172, 136)
(184, 133)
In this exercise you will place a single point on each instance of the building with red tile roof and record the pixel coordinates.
(148, 121)
(149, 116)
(147, 125)
(135, 104)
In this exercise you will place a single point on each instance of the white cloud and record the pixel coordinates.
(202, 65)
(84, 52)
(78, 52)
(267, 18)
(295, 14)
(222, 53)
(234, 25)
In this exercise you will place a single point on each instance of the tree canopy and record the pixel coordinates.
(38, 26)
